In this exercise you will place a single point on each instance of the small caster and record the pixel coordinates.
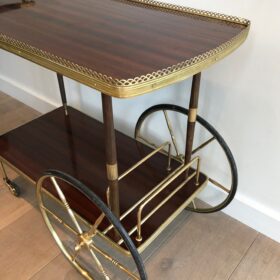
(26, 3)
(13, 187)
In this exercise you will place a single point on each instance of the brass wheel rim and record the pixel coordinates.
(85, 238)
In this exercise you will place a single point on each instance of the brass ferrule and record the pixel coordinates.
(192, 115)
(112, 172)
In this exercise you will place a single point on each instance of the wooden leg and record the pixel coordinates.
(62, 92)
(192, 116)
(67, 122)
(111, 153)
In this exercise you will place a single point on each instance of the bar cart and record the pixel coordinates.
(104, 196)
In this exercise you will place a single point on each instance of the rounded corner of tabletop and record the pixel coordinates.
(123, 48)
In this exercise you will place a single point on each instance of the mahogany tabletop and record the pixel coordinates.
(123, 48)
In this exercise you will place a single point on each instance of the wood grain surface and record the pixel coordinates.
(207, 247)
(117, 38)
(58, 269)
(23, 243)
(261, 262)
(11, 209)
(75, 145)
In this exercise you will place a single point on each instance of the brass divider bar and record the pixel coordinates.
(159, 188)
(161, 147)
(141, 221)
(143, 198)
(155, 191)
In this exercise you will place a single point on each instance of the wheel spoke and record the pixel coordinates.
(212, 137)
(74, 257)
(142, 139)
(98, 221)
(194, 205)
(113, 261)
(219, 185)
(168, 123)
(99, 265)
(74, 249)
(66, 205)
(203, 145)
(58, 219)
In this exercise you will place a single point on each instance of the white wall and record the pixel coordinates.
(239, 96)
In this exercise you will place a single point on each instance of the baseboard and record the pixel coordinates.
(255, 215)
(243, 209)
(26, 95)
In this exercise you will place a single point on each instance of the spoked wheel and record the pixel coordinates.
(217, 161)
(94, 255)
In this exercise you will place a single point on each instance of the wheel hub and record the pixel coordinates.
(83, 240)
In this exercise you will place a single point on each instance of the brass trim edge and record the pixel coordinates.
(112, 172)
(124, 88)
(171, 218)
(187, 10)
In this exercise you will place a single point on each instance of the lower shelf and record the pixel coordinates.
(75, 145)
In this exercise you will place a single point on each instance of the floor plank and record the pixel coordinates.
(262, 262)
(14, 113)
(207, 247)
(58, 269)
(25, 247)
(12, 208)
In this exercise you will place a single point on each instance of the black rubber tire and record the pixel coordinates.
(220, 140)
(108, 213)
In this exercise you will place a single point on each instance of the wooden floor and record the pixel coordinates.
(206, 247)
